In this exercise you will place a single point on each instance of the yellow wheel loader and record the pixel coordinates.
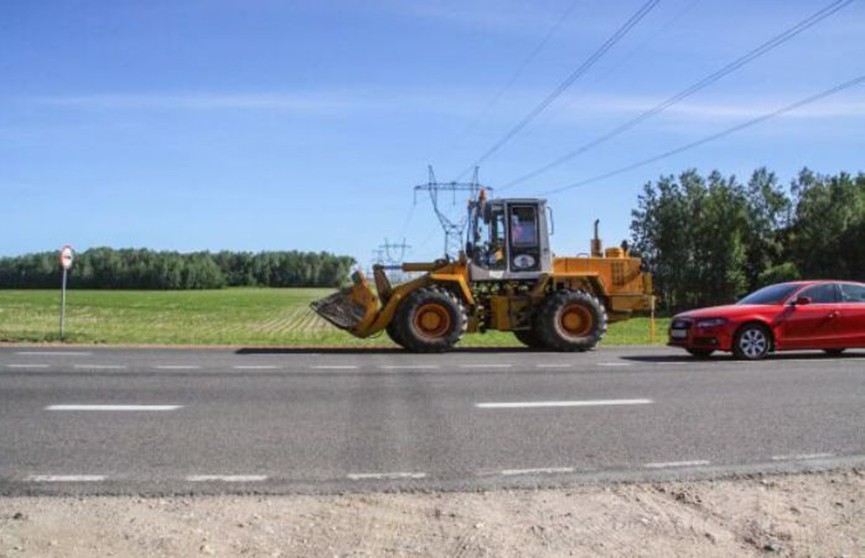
(507, 279)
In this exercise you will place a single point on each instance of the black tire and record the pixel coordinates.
(701, 353)
(571, 321)
(529, 338)
(752, 342)
(431, 320)
(834, 352)
(393, 331)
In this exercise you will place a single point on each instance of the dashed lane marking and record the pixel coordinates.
(54, 353)
(672, 464)
(540, 404)
(410, 367)
(802, 456)
(113, 407)
(226, 478)
(385, 476)
(539, 471)
(65, 478)
(26, 366)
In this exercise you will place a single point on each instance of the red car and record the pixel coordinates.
(827, 315)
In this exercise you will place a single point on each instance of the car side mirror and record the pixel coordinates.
(802, 301)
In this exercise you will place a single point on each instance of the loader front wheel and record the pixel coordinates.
(430, 320)
(571, 321)
(393, 332)
(529, 338)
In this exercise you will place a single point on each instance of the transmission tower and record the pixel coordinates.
(377, 259)
(391, 249)
(453, 228)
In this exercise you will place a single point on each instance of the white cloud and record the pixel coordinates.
(713, 110)
(286, 102)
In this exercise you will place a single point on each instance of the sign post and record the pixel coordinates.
(67, 256)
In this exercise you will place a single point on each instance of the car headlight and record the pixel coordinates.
(711, 322)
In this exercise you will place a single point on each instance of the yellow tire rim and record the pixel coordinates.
(432, 319)
(576, 320)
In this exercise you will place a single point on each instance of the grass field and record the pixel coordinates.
(244, 317)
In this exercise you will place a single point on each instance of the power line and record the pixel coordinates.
(713, 137)
(519, 71)
(703, 83)
(584, 67)
(453, 228)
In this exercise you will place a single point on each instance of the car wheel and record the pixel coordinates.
(701, 353)
(752, 342)
(834, 352)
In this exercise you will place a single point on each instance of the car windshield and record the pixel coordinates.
(774, 294)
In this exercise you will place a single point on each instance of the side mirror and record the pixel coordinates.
(802, 301)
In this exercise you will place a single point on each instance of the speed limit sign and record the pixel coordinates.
(67, 256)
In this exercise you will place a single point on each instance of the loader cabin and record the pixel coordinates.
(508, 239)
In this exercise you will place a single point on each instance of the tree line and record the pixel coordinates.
(709, 240)
(107, 268)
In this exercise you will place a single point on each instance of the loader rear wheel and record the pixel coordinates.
(529, 338)
(431, 320)
(571, 321)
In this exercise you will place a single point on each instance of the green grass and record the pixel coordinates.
(247, 317)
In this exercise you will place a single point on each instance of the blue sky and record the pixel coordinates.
(270, 125)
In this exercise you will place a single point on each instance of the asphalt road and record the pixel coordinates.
(112, 421)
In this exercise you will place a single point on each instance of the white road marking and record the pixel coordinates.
(543, 471)
(335, 367)
(255, 367)
(99, 366)
(671, 464)
(226, 478)
(65, 478)
(410, 367)
(553, 365)
(113, 407)
(486, 365)
(385, 476)
(537, 404)
(802, 456)
(614, 364)
(178, 367)
(54, 353)
(26, 366)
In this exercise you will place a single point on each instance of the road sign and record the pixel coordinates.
(67, 256)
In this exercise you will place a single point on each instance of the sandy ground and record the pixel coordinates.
(798, 515)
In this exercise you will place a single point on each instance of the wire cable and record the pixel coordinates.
(753, 122)
(582, 69)
(519, 71)
(688, 91)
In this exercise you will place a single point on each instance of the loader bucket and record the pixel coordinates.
(351, 308)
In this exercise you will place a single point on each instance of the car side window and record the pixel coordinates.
(821, 294)
(853, 293)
